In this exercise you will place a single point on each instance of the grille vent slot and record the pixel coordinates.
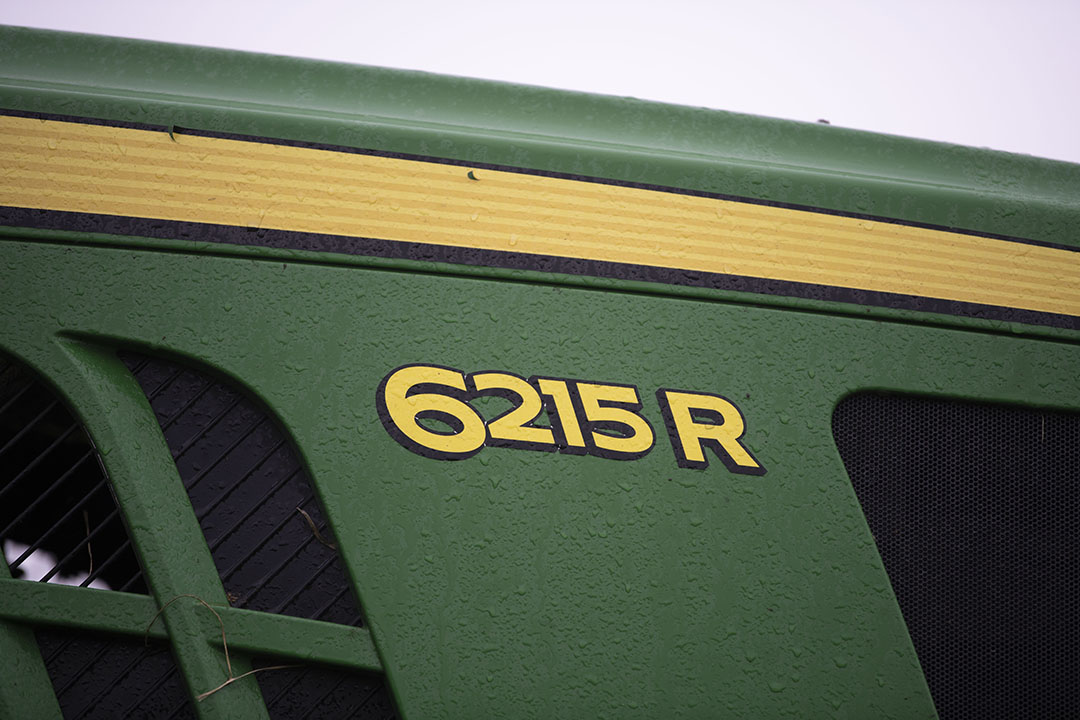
(247, 487)
(975, 509)
(59, 521)
(107, 678)
(313, 691)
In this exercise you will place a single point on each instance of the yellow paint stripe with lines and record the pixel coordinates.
(75, 167)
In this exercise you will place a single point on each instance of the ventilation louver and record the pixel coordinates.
(263, 524)
(974, 509)
(59, 523)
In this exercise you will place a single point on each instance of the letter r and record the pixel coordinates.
(696, 421)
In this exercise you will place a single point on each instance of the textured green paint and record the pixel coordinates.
(516, 583)
(26, 690)
(559, 585)
(806, 305)
(106, 611)
(478, 121)
(282, 636)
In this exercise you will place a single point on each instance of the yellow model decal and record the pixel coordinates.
(514, 427)
(565, 418)
(428, 410)
(696, 421)
(615, 427)
(67, 166)
(427, 392)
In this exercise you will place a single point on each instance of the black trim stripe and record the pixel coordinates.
(423, 252)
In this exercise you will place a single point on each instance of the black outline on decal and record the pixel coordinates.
(429, 387)
(435, 388)
(451, 421)
(705, 443)
(589, 426)
(517, 401)
(227, 234)
(555, 417)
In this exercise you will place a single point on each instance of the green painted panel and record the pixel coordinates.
(558, 585)
(528, 127)
(518, 582)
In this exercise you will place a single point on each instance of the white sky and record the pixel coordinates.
(988, 73)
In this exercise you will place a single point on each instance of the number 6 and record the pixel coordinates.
(427, 392)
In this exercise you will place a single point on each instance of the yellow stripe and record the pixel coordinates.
(74, 167)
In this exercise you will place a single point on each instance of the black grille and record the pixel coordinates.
(59, 521)
(95, 677)
(318, 692)
(262, 521)
(974, 508)
(251, 495)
